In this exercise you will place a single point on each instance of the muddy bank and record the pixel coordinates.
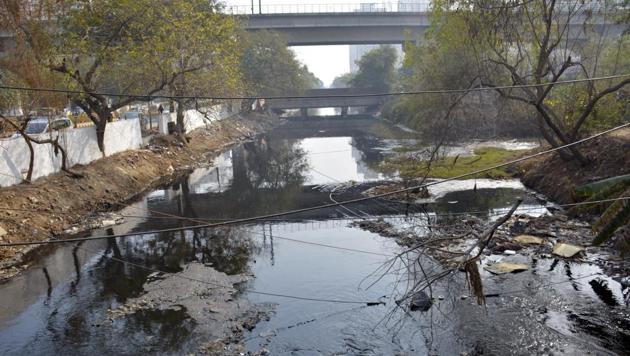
(51, 205)
(557, 179)
(205, 298)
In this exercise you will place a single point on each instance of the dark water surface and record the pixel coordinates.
(60, 304)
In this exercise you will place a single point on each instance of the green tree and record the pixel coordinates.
(124, 46)
(270, 68)
(342, 81)
(377, 70)
(494, 43)
(202, 45)
(534, 43)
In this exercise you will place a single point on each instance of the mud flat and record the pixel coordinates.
(202, 296)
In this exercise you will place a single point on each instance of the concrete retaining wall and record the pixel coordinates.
(80, 144)
(193, 119)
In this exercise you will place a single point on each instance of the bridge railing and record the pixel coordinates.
(411, 7)
(389, 7)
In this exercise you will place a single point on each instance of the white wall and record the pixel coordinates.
(121, 136)
(82, 148)
(194, 119)
(80, 144)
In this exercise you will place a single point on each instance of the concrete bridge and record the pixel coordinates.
(343, 28)
(328, 98)
(347, 24)
(340, 24)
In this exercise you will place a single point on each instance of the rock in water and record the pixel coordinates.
(420, 301)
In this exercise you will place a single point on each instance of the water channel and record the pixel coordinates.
(60, 304)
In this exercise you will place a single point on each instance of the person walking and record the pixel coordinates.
(160, 109)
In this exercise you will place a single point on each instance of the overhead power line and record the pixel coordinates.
(323, 206)
(253, 291)
(148, 97)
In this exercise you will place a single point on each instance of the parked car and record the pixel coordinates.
(129, 115)
(39, 125)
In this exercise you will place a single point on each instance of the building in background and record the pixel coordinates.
(358, 51)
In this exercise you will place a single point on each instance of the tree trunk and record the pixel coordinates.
(64, 160)
(31, 159)
(100, 135)
(181, 128)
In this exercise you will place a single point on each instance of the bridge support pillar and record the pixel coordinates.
(344, 111)
(304, 112)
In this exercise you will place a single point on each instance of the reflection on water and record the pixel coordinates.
(336, 159)
(61, 303)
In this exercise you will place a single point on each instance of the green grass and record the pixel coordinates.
(449, 167)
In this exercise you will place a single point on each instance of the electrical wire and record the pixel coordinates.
(253, 291)
(325, 206)
(149, 97)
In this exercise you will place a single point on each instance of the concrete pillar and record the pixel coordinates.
(304, 112)
(163, 120)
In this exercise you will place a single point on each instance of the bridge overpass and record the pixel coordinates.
(328, 98)
(347, 24)
(339, 24)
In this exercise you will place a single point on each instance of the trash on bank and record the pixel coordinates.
(506, 267)
(528, 239)
(566, 250)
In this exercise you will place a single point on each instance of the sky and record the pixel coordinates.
(326, 62)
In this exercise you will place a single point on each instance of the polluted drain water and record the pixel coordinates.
(309, 283)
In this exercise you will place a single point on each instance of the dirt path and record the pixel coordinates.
(50, 205)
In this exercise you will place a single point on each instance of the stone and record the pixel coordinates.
(3, 232)
(528, 240)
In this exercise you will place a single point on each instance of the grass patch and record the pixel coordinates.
(449, 167)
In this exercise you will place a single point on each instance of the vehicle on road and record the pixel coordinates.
(39, 125)
(130, 115)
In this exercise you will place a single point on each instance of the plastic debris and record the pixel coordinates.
(108, 222)
(420, 301)
(509, 252)
(505, 267)
(528, 239)
(566, 250)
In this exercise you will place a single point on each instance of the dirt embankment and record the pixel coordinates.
(50, 205)
(557, 179)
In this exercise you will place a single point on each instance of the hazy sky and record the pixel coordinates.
(326, 62)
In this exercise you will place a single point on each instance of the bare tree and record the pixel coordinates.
(540, 43)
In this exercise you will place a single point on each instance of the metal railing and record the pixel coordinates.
(411, 7)
(396, 7)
